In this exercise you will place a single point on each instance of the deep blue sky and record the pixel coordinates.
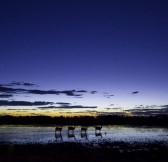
(115, 47)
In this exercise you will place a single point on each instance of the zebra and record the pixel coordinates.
(83, 129)
(58, 129)
(98, 128)
(71, 128)
(84, 135)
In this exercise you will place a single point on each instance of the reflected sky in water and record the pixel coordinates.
(43, 135)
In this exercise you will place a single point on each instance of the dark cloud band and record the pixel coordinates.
(5, 89)
(23, 103)
(69, 107)
(5, 95)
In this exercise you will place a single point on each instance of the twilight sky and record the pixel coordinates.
(60, 57)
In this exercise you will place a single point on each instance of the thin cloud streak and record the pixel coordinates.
(68, 107)
(21, 84)
(135, 92)
(5, 95)
(149, 110)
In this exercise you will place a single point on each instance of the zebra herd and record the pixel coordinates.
(72, 128)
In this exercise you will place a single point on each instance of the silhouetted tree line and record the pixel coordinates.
(161, 120)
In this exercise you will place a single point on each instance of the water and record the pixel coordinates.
(46, 134)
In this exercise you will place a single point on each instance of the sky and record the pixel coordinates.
(62, 57)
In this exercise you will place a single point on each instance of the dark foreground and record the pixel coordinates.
(106, 152)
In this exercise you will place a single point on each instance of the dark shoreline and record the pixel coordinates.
(116, 151)
(161, 120)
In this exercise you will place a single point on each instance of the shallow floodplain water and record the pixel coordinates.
(111, 133)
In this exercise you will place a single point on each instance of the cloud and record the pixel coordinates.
(63, 103)
(93, 92)
(164, 106)
(68, 107)
(111, 104)
(19, 84)
(21, 109)
(23, 103)
(149, 110)
(74, 93)
(110, 113)
(78, 112)
(108, 95)
(66, 92)
(135, 92)
(81, 91)
(105, 93)
(10, 90)
(77, 97)
(115, 108)
(5, 95)
(90, 111)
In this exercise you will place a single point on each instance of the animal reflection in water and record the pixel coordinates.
(84, 133)
(71, 129)
(98, 134)
(71, 134)
(98, 131)
(58, 136)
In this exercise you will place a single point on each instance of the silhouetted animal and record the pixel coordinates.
(58, 129)
(84, 135)
(83, 129)
(71, 128)
(98, 128)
